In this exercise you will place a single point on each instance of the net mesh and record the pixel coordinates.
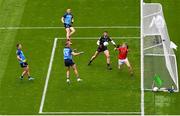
(159, 57)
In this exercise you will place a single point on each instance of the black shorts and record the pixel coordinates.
(101, 49)
(23, 64)
(68, 62)
(67, 25)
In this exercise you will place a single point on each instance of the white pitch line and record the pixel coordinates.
(78, 27)
(95, 38)
(92, 113)
(48, 76)
(76, 113)
(142, 59)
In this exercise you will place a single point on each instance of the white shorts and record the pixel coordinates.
(122, 61)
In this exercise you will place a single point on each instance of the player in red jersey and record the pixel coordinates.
(122, 57)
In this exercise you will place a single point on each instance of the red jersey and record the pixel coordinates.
(123, 51)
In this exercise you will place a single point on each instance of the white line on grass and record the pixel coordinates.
(78, 27)
(95, 38)
(74, 113)
(48, 75)
(92, 113)
(142, 60)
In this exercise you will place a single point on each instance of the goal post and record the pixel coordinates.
(158, 50)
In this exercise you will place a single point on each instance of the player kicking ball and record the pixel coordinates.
(122, 58)
(68, 20)
(22, 61)
(102, 47)
(68, 61)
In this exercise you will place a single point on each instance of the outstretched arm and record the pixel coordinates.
(98, 42)
(113, 43)
(62, 19)
(76, 54)
(72, 21)
(115, 48)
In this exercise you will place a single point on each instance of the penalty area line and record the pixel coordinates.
(48, 76)
(73, 113)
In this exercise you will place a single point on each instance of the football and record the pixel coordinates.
(155, 89)
(106, 43)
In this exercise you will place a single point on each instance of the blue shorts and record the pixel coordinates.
(68, 62)
(67, 25)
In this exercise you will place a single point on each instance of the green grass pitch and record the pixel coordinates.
(101, 90)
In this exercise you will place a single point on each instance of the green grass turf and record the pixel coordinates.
(23, 97)
(164, 103)
(101, 90)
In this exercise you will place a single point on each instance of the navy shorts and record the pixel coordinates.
(101, 49)
(23, 64)
(67, 25)
(68, 62)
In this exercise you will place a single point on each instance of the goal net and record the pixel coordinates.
(158, 50)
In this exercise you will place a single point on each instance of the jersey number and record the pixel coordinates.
(66, 53)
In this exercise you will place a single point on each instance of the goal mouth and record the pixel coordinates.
(159, 57)
(155, 62)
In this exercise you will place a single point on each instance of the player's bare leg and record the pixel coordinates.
(129, 67)
(28, 73)
(68, 31)
(72, 31)
(119, 66)
(108, 59)
(76, 72)
(23, 73)
(67, 74)
(93, 57)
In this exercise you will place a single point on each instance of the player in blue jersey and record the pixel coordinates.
(23, 63)
(68, 20)
(68, 61)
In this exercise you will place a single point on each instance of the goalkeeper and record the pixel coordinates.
(23, 63)
(103, 48)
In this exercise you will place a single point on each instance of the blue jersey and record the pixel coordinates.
(67, 53)
(21, 55)
(68, 18)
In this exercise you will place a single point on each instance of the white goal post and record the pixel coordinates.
(158, 50)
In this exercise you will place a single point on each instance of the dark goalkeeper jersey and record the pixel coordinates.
(103, 39)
